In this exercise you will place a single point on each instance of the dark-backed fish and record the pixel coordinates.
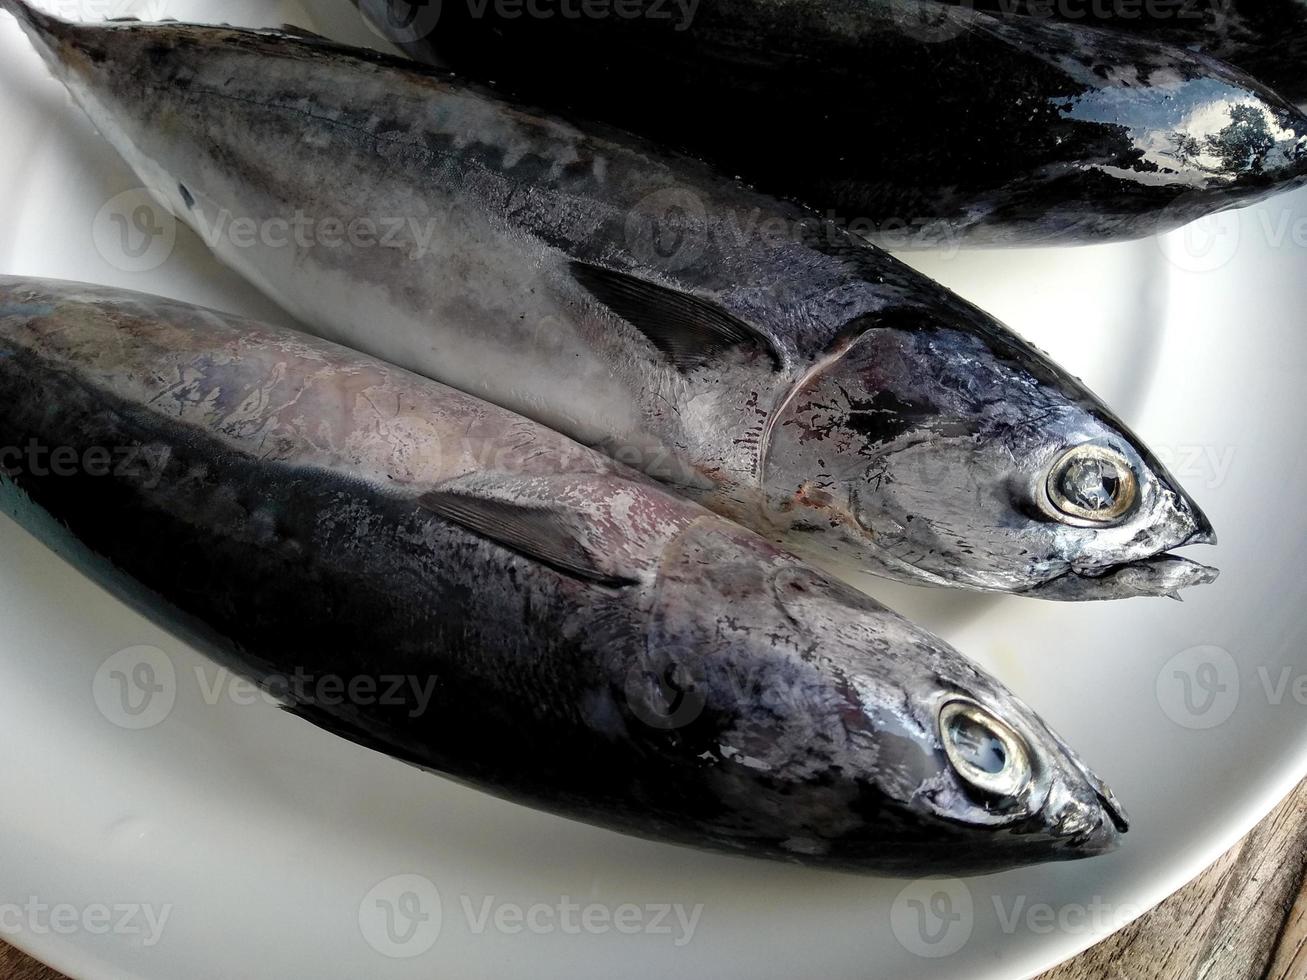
(1265, 38)
(571, 636)
(915, 123)
(780, 371)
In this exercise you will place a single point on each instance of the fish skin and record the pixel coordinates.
(1265, 38)
(1012, 131)
(284, 534)
(878, 424)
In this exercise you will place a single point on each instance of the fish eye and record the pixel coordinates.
(987, 754)
(1092, 484)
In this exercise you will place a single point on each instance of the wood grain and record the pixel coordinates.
(1290, 961)
(15, 966)
(1244, 919)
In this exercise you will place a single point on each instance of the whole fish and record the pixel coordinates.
(783, 373)
(913, 123)
(1266, 38)
(586, 642)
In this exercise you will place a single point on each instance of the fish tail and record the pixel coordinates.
(43, 29)
(30, 17)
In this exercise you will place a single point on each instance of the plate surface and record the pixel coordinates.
(196, 831)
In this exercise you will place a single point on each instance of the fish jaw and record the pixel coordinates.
(1163, 575)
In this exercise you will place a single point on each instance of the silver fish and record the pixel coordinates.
(780, 371)
(588, 643)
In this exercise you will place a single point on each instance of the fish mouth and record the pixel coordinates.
(1113, 808)
(1160, 575)
(1102, 837)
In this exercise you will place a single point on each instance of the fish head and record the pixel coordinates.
(882, 746)
(966, 458)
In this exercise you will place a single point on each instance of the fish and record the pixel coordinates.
(782, 373)
(916, 124)
(1265, 38)
(588, 643)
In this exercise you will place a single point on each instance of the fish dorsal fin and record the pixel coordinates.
(690, 331)
(545, 531)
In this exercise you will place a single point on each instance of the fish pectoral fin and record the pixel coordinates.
(690, 331)
(538, 531)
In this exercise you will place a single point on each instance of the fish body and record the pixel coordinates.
(585, 642)
(1265, 38)
(773, 367)
(917, 124)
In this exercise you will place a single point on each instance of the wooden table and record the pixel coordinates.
(1245, 918)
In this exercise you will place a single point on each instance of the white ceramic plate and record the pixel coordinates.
(228, 839)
